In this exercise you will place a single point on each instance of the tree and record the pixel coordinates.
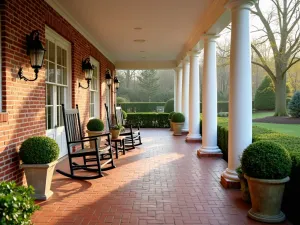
(265, 97)
(281, 31)
(148, 82)
(294, 105)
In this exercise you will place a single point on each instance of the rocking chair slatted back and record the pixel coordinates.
(119, 116)
(107, 116)
(72, 125)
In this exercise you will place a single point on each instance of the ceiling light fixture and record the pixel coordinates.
(137, 28)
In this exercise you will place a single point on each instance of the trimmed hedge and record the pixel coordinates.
(141, 106)
(148, 120)
(223, 106)
(169, 106)
(292, 145)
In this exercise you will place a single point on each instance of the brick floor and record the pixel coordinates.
(161, 182)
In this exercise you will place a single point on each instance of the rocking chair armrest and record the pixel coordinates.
(80, 141)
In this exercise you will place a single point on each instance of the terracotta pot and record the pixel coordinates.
(40, 177)
(266, 198)
(94, 133)
(177, 127)
(244, 188)
(115, 134)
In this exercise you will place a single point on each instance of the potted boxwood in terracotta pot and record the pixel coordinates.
(39, 156)
(95, 127)
(115, 131)
(267, 166)
(178, 121)
(170, 117)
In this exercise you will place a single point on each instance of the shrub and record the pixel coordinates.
(265, 95)
(39, 150)
(95, 125)
(16, 204)
(169, 106)
(141, 106)
(121, 100)
(266, 160)
(170, 115)
(294, 105)
(124, 114)
(178, 118)
(148, 120)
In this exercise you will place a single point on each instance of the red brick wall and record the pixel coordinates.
(23, 101)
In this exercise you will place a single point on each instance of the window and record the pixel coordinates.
(57, 90)
(94, 90)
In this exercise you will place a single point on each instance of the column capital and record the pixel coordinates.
(210, 37)
(241, 4)
(178, 68)
(194, 53)
(186, 60)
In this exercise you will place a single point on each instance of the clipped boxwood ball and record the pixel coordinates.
(170, 115)
(178, 118)
(95, 125)
(266, 160)
(39, 150)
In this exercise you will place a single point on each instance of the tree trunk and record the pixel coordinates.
(280, 96)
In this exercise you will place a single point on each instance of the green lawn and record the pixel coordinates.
(262, 114)
(291, 129)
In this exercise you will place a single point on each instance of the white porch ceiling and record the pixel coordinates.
(170, 27)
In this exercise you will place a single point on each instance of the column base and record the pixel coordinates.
(185, 130)
(193, 138)
(204, 154)
(230, 179)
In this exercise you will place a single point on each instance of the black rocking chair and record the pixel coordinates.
(133, 135)
(91, 156)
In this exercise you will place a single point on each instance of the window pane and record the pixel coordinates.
(65, 81)
(59, 61)
(64, 58)
(46, 69)
(51, 51)
(49, 117)
(60, 95)
(59, 116)
(49, 94)
(51, 72)
(92, 110)
(59, 74)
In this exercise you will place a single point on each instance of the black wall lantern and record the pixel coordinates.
(36, 52)
(108, 77)
(88, 70)
(117, 83)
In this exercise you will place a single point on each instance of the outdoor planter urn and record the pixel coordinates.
(266, 166)
(95, 127)
(40, 177)
(114, 133)
(171, 125)
(39, 155)
(177, 120)
(266, 198)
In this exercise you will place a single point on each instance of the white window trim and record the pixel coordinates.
(55, 37)
(97, 95)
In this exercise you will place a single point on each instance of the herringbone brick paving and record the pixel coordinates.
(160, 182)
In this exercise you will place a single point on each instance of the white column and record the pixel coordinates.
(175, 90)
(178, 88)
(240, 95)
(185, 93)
(209, 98)
(194, 98)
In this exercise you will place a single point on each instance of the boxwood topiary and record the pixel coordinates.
(178, 117)
(39, 150)
(266, 160)
(95, 125)
(170, 115)
(169, 106)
